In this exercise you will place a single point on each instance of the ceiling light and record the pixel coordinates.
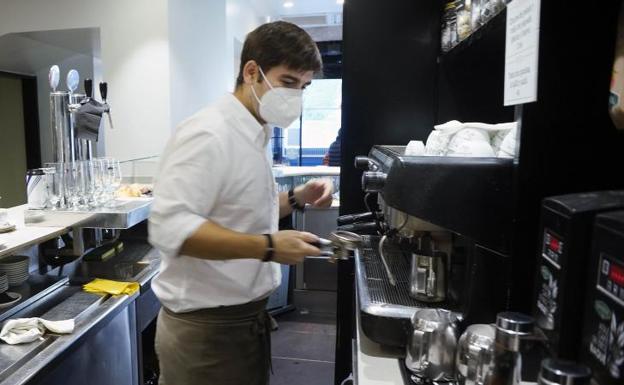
(288, 4)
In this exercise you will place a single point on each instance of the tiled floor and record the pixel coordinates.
(303, 349)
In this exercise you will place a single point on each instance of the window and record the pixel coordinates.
(307, 140)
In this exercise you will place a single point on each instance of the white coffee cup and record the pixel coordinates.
(508, 146)
(4, 217)
(437, 143)
(466, 148)
(472, 134)
(415, 148)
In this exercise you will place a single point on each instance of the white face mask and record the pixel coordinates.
(280, 106)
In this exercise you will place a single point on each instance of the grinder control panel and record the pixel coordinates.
(604, 328)
(552, 249)
(611, 278)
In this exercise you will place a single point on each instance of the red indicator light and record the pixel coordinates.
(554, 244)
(616, 274)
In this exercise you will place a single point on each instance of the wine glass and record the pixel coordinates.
(56, 190)
(100, 182)
(113, 179)
(72, 184)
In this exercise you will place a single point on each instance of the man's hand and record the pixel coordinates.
(317, 192)
(290, 246)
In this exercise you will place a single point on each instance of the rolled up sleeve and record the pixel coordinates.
(186, 189)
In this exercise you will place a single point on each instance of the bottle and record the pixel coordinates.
(464, 25)
(559, 372)
(449, 30)
(616, 104)
(511, 329)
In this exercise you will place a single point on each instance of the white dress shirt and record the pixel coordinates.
(214, 168)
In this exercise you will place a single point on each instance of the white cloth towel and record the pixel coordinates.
(25, 330)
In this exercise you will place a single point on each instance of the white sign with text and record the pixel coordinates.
(522, 51)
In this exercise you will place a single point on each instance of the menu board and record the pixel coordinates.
(522, 51)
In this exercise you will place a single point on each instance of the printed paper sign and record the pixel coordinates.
(522, 51)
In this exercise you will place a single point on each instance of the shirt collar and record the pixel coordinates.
(250, 127)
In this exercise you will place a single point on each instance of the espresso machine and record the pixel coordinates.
(603, 324)
(414, 263)
(432, 268)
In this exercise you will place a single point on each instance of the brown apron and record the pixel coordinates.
(229, 345)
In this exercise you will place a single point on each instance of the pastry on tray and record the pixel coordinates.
(134, 190)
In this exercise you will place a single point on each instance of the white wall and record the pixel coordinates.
(34, 57)
(243, 16)
(134, 61)
(197, 30)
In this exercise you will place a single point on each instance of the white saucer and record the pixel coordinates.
(16, 297)
(33, 216)
(6, 228)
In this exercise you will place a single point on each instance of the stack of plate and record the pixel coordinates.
(16, 269)
(4, 283)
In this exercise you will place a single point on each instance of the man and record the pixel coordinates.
(333, 153)
(215, 217)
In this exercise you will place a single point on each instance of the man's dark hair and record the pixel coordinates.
(280, 43)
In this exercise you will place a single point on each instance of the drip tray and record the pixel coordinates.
(386, 310)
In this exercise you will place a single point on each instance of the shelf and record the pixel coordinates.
(495, 26)
(470, 77)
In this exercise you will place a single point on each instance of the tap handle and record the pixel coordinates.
(104, 90)
(88, 86)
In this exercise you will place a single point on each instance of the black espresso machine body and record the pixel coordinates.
(480, 268)
(563, 256)
(603, 326)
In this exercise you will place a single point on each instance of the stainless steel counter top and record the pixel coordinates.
(19, 363)
(127, 213)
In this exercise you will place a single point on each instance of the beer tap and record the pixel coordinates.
(104, 94)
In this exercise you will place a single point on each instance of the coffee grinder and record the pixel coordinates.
(603, 327)
(564, 248)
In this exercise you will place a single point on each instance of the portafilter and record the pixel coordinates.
(338, 246)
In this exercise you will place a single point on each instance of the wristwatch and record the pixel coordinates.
(293, 202)
(268, 255)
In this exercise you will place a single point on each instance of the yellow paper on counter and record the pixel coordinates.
(105, 286)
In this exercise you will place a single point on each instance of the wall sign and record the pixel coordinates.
(522, 51)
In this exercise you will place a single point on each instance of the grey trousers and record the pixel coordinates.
(228, 345)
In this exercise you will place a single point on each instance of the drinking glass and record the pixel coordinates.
(88, 197)
(56, 186)
(74, 184)
(113, 178)
(100, 181)
(82, 181)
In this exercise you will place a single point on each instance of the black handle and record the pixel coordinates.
(362, 163)
(368, 228)
(88, 86)
(352, 218)
(103, 90)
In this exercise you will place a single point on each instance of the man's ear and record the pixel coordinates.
(250, 72)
